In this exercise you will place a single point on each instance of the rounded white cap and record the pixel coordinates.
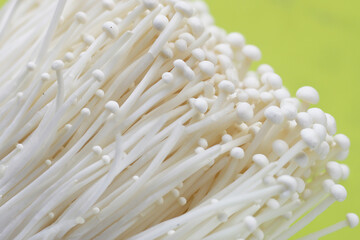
(108, 4)
(289, 110)
(196, 26)
(334, 170)
(199, 54)
(289, 182)
(338, 192)
(57, 65)
(304, 119)
(327, 184)
(252, 52)
(227, 86)
(236, 40)
(160, 22)
(308, 94)
(274, 114)
(318, 116)
(310, 137)
(201, 105)
(352, 219)
(111, 29)
(184, 8)
(264, 68)
(207, 68)
(244, 111)
(342, 141)
(250, 223)
(112, 106)
(98, 75)
(237, 153)
(280, 147)
(150, 4)
(273, 80)
(320, 130)
(81, 17)
(251, 82)
(85, 112)
(260, 160)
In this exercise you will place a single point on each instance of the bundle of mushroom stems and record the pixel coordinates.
(142, 120)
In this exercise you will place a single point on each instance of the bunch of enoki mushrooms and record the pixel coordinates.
(143, 120)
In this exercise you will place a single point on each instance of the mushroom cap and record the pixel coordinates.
(308, 94)
(274, 114)
(252, 52)
(338, 192)
(244, 111)
(352, 219)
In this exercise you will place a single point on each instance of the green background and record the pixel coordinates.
(310, 42)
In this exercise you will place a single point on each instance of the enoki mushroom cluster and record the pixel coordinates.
(142, 120)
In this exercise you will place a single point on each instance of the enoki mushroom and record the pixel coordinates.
(142, 120)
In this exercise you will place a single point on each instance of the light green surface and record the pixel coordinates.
(310, 43)
(313, 43)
